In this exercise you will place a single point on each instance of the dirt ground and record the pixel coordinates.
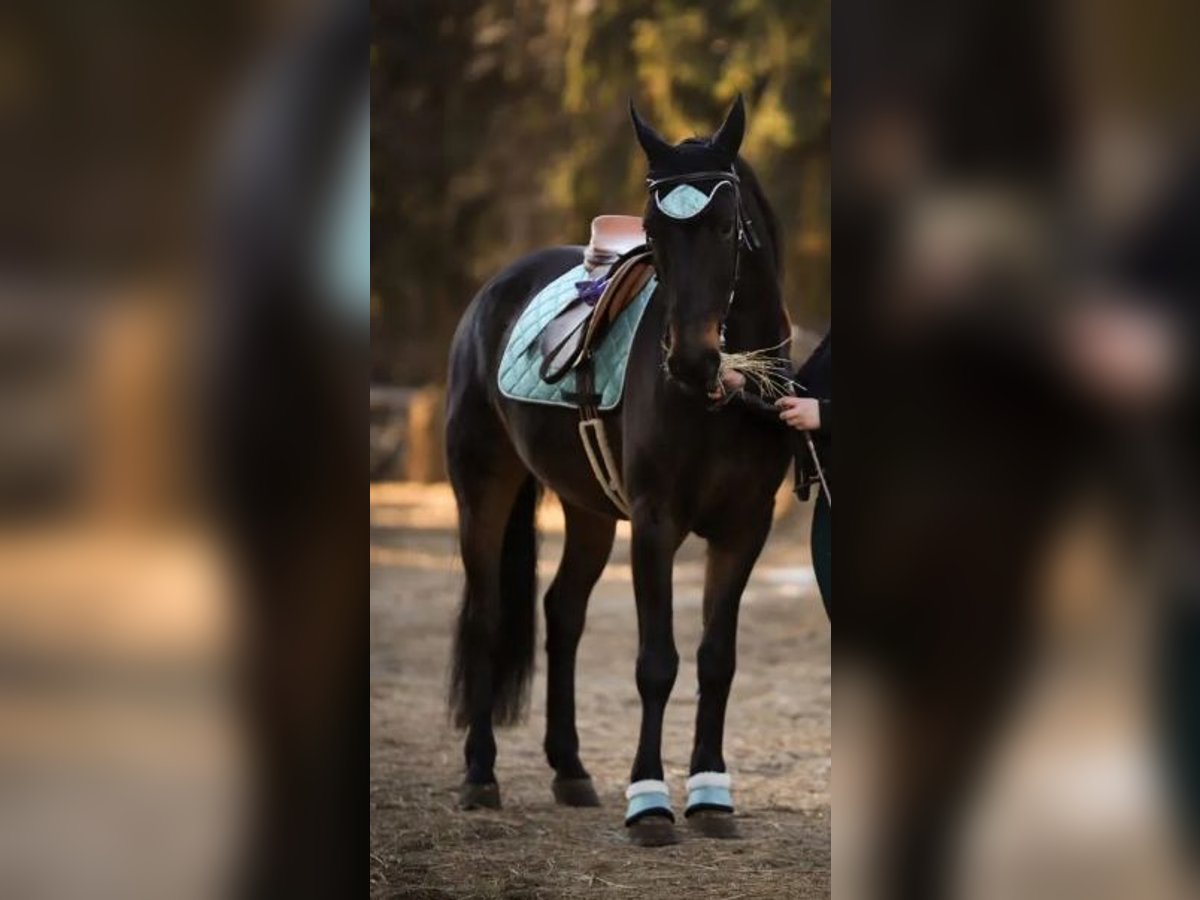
(777, 737)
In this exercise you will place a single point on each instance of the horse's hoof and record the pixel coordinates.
(713, 823)
(653, 831)
(575, 792)
(479, 796)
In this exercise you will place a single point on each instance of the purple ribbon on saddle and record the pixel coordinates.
(591, 291)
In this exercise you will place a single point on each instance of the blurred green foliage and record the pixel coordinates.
(501, 126)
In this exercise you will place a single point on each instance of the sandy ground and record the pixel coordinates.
(777, 738)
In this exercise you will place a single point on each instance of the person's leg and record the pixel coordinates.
(1178, 686)
(822, 551)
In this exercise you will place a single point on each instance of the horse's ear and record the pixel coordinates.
(728, 138)
(656, 148)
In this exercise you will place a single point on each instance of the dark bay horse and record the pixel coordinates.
(688, 467)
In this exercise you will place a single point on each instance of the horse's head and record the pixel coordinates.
(693, 225)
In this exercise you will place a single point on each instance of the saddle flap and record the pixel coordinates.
(561, 343)
(624, 287)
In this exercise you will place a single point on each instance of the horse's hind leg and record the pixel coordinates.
(493, 652)
(589, 540)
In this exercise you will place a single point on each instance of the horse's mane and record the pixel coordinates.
(766, 223)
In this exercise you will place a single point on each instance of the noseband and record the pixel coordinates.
(746, 236)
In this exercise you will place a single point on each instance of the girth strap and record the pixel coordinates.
(599, 454)
(595, 440)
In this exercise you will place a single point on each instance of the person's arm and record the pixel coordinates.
(811, 411)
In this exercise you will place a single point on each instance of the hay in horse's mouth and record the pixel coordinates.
(770, 374)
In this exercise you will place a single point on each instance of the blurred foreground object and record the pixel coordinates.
(180, 607)
(284, 419)
(122, 762)
(1027, 308)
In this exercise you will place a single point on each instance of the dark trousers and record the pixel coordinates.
(1178, 708)
(822, 551)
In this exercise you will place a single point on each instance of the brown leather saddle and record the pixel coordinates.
(582, 324)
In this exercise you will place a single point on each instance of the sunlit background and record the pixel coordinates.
(503, 127)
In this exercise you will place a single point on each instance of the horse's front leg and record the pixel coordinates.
(730, 560)
(655, 538)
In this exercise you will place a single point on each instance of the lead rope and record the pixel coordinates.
(812, 449)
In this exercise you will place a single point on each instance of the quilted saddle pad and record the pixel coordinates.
(519, 377)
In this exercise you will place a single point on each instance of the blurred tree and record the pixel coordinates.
(500, 126)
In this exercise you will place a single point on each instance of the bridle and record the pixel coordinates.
(746, 236)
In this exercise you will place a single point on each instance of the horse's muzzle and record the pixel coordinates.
(696, 371)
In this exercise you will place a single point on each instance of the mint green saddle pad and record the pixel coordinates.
(519, 377)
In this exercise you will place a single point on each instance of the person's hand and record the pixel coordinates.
(1125, 354)
(731, 382)
(801, 413)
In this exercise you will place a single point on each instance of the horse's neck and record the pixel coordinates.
(757, 319)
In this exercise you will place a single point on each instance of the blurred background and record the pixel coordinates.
(499, 128)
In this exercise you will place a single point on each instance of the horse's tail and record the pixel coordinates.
(493, 648)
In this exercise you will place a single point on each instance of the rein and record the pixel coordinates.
(761, 407)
